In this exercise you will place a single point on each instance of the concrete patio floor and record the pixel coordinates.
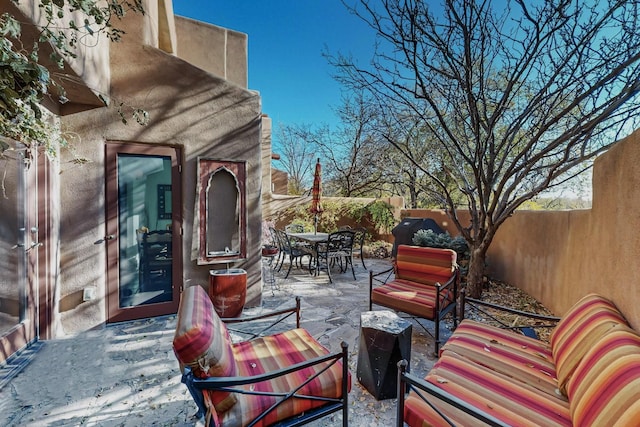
(127, 375)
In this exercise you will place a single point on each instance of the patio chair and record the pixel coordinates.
(283, 378)
(337, 249)
(425, 285)
(358, 244)
(289, 250)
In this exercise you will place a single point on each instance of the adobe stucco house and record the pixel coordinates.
(148, 209)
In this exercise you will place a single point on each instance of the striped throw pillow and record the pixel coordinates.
(580, 328)
(605, 387)
(202, 342)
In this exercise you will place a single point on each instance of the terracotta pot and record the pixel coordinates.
(228, 291)
(269, 251)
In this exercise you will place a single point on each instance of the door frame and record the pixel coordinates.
(25, 332)
(114, 312)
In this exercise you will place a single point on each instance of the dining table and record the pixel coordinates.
(312, 238)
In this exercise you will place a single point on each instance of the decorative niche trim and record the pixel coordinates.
(222, 211)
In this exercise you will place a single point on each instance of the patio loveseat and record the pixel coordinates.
(588, 375)
(286, 378)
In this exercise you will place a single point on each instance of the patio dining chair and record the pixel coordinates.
(289, 250)
(337, 249)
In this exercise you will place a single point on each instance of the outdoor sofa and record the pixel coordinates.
(287, 378)
(587, 375)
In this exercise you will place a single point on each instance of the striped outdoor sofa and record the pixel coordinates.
(286, 378)
(423, 282)
(588, 375)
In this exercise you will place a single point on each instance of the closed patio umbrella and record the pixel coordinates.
(316, 205)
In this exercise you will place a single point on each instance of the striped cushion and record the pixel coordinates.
(513, 402)
(605, 387)
(424, 265)
(409, 297)
(202, 342)
(580, 328)
(268, 354)
(509, 353)
(417, 270)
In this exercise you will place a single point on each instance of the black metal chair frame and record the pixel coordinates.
(338, 247)
(288, 249)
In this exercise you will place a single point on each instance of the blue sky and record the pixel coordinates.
(286, 41)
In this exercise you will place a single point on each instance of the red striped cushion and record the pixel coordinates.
(202, 342)
(509, 353)
(513, 402)
(409, 297)
(580, 328)
(271, 353)
(424, 265)
(605, 387)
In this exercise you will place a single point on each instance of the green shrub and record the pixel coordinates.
(428, 238)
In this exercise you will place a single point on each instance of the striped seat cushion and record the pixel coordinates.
(268, 354)
(202, 342)
(509, 353)
(604, 390)
(409, 297)
(581, 327)
(512, 402)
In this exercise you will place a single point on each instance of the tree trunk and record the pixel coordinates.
(475, 274)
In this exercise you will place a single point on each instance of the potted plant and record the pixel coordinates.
(269, 247)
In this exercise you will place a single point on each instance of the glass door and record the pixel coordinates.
(19, 249)
(143, 231)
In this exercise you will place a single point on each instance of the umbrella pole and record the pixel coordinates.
(315, 228)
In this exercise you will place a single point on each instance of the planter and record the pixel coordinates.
(269, 251)
(228, 291)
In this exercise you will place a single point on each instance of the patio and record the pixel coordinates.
(127, 375)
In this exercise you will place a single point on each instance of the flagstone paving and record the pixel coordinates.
(127, 374)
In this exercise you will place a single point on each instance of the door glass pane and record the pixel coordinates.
(12, 259)
(144, 229)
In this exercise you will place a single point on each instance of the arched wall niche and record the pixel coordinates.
(222, 215)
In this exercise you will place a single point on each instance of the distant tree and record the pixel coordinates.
(297, 155)
(351, 154)
(25, 80)
(518, 94)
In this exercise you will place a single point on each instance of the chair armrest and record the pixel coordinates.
(423, 388)
(282, 315)
(379, 279)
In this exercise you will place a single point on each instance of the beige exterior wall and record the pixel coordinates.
(218, 50)
(189, 107)
(559, 256)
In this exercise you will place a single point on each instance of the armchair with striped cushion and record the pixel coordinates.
(287, 378)
(423, 283)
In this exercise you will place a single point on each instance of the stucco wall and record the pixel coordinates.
(559, 256)
(190, 108)
(214, 49)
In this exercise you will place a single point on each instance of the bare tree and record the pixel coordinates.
(351, 154)
(519, 94)
(297, 154)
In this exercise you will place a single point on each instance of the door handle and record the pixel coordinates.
(109, 237)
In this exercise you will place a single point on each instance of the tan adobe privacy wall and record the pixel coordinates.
(559, 256)
(200, 112)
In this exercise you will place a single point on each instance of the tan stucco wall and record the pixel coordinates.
(214, 49)
(559, 256)
(202, 113)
